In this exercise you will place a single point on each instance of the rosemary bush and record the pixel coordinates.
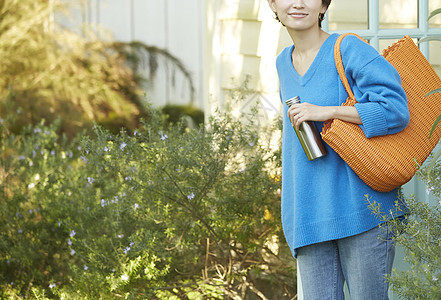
(419, 235)
(154, 214)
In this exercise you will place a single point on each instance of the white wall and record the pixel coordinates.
(174, 25)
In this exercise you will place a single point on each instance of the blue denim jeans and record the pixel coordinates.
(362, 261)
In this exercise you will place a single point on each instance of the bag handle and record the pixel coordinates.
(340, 67)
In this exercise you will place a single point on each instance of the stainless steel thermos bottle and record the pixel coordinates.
(308, 135)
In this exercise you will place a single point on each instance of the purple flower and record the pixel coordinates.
(191, 196)
(163, 136)
(120, 236)
(104, 202)
(90, 180)
(72, 233)
(127, 249)
(69, 242)
(106, 149)
(136, 206)
(52, 285)
(123, 145)
(84, 159)
(85, 268)
(72, 252)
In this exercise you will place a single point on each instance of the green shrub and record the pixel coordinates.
(175, 113)
(421, 240)
(154, 214)
(419, 235)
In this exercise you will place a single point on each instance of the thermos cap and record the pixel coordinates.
(292, 100)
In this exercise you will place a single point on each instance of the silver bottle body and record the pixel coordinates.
(309, 136)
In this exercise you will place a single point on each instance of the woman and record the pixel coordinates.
(327, 223)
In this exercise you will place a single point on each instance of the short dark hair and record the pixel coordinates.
(326, 4)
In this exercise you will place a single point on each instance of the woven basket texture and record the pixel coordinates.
(387, 162)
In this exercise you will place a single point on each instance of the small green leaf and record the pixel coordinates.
(433, 92)
(434, 126)
(433, 13)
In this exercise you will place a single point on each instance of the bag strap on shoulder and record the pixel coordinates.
(339, 63)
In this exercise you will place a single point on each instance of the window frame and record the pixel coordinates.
(374, 34)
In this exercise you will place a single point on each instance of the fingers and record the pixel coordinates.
(295, 116)
(301, 112)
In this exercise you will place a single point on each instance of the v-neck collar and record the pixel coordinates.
(303, 79)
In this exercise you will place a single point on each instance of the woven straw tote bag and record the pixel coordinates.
(387, 162)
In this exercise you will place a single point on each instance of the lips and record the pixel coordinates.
(298, 15)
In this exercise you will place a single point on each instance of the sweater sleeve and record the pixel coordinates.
(382, 102)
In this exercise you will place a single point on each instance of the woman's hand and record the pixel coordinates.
(301, 112)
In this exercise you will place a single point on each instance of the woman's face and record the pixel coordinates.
(298, 14)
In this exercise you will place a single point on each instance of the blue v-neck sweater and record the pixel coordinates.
(324, 199)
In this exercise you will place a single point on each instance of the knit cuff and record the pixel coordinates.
(373, 120)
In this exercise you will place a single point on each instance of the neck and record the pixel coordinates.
(308, 40)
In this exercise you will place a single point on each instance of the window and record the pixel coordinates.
(382, 22)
